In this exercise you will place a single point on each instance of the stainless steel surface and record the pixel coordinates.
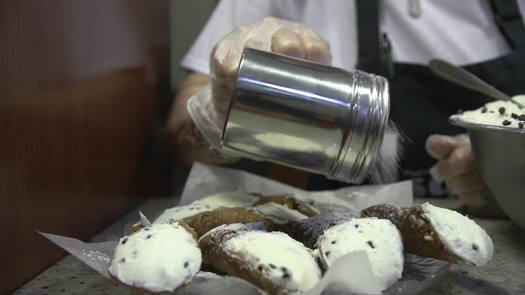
(466, 79)
(500, 155)
(308, 116)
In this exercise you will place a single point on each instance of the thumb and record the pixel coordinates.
(440, 147)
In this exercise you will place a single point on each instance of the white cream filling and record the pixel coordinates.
(158, 258)
(280, 258)
(229, 199)
(181, 212)
(461, 235)
(490, 113)
(225, 199)
(378, 239)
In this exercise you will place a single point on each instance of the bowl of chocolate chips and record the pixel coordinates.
(497, 134)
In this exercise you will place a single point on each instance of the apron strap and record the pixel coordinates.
(508, 18)
(368, 35)
(375, 50)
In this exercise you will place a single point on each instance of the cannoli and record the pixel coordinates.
(440, 233)
(157, 258)
(181, 212)
(272, 261)
(309, 230)
(377, 247)
(226, 199)
(289, 201)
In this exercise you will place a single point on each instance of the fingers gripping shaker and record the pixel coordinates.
(309, 116)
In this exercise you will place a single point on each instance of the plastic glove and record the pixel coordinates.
(270, 34)
(456, 166)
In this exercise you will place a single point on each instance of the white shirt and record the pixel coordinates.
(459, 31)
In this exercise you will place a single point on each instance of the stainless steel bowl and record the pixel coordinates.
(500, 155)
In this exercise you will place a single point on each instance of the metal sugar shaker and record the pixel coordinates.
(312, 117)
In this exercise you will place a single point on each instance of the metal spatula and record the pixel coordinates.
(466, 79)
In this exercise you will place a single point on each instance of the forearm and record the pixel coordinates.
(188, 148)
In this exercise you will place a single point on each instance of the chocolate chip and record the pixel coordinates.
(475, 247)
(332, 224)
(371, 244)
(514, 116)
(506, 123)
(501, 110)
(72, 277)
(260, 268)
(327, 253)
(146, 228)
(122, 260)
(148, 237)
(484, 110)
(186, 264)
(135, 253)
(272, 266)
(124, 240)
(492, 112)
(284, 269)
(286, 275)
(356, 225)
(311, 202)
(520, 125)
(333, 242)
(521, 117)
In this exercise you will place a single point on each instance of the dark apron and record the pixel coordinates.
(421, 102)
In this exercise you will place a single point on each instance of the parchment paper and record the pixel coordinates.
(205, 180)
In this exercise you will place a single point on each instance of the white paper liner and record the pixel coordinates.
(418, 275)
(199, 108)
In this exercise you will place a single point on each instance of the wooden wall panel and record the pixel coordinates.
(78, 85)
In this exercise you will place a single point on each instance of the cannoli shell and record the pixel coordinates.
(289, 201)
(383, 211)
(205, 221)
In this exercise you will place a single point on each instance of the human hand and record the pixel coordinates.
(270, 34)
(456, 166)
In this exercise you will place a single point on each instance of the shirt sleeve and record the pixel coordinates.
(227, 15)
